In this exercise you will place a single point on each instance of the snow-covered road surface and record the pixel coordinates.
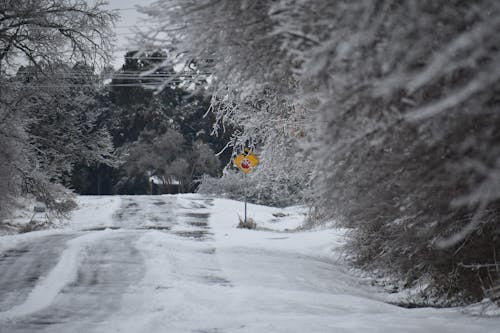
(178, 264)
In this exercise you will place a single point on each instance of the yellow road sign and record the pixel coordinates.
(246, 162)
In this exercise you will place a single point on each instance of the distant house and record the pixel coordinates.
(160, 185)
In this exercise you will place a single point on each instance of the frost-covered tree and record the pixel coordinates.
(46, 34)
(395, 104)
(53, 31)
(52, 121)
(65, 120)
(407, 116)
(251, 81)
(13, 153)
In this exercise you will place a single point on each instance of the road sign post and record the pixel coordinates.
(245, 185)
(246, 162)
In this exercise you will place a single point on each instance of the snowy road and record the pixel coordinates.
(177, 264)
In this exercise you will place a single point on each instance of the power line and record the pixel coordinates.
(126, 26)
(153, 86)
(117, 73)
(124, 9)
(110, 75)
(94, 74)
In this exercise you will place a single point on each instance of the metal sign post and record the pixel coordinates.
(245, 162)
(245, 186)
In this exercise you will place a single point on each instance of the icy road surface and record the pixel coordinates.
(178, 264)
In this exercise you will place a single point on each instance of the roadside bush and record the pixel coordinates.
(261, 188)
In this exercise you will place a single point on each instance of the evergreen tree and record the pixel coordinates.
(163, 134)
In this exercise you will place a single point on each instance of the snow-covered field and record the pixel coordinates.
(179, 264)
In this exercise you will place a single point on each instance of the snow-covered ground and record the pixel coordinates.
(179, 264)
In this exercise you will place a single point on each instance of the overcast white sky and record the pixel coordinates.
(129, 18)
